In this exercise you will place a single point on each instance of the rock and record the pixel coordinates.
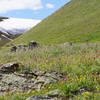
(11, 83)
(54, 75)
(22, 47)
(67, 44)
(1, 76)
(28, 73)
(9, 67)
(41, 81)
(44, 80)
(84, 90)
(39, 72)
(41, 98)
(13, 49)
(12, 79)
(32, 44)
(38, 86)
(54, 93)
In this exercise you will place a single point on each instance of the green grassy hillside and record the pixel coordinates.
(77, 21)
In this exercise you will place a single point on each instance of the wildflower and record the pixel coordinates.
(97, 88)
(86, 94)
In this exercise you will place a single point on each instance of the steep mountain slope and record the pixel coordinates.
(77, 21)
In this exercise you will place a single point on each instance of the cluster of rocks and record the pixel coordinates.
(12, 80)
(30, 46)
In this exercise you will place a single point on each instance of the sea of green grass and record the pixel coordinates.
(77, 21)
(80, 63)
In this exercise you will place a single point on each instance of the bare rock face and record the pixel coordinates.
(9, 67)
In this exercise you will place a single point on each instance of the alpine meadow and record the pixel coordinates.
(57, 59)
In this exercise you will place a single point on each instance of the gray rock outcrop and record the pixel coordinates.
(12, 79)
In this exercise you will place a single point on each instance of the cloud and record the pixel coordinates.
(48, 5)
(8, 5)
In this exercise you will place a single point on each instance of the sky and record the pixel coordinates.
(30, 9)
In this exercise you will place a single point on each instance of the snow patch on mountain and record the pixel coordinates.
(6, 37)
(3, 31)
(17, 25)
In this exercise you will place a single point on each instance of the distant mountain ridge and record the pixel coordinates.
(2, 18)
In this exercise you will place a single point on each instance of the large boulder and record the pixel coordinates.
(32, 44)
(10, 67)
(13, 49)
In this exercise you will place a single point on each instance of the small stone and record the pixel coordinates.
(83, 90)
(41, 98)
(54, 93)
